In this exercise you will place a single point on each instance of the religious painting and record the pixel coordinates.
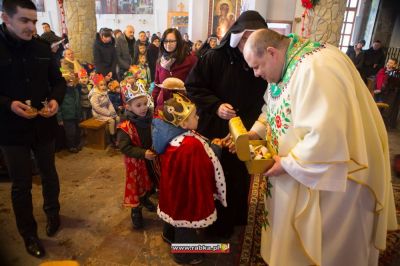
(106, 6)
(39, 5)
(135, 6)
(222, 15)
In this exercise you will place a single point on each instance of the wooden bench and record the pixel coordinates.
(96, 133)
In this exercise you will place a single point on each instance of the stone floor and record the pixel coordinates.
(96, 229)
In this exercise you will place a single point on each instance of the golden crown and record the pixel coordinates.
(177, 109)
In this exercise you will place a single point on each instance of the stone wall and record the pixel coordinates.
(326, 21)
(80, 18)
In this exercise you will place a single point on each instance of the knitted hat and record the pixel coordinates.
(154, 37)
(177, 109)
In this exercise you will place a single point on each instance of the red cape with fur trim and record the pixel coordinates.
(187, 185)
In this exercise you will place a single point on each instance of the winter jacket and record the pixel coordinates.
(102, 108)
(180, 71)
(163, 133)
(115, 98)
(70, 109)
(124, 58)
(28, 71)
(105, 56)
(84, 95)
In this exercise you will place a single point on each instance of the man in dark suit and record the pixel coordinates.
(30, 78)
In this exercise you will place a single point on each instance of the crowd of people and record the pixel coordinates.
(384, 78)
(167, 103)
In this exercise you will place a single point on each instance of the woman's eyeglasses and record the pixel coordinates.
(169, 41)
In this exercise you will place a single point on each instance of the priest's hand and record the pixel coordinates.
(276, 169)
(253, 135)
(226, 111)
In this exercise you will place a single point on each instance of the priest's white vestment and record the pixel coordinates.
(335, 204)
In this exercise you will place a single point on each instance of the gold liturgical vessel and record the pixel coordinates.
(256, 154)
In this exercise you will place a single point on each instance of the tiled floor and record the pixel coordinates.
(96, 230)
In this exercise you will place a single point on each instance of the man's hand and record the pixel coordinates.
(226, 111)
(276, 169)
(52, 109)
(61, 123)
(22, 110)
(150, 155)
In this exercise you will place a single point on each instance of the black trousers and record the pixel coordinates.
(18, 161)
(237, 192)
(72, 133)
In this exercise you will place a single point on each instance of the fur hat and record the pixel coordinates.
(177, 109)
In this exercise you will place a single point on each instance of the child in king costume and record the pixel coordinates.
(134, 141)
(191, 175)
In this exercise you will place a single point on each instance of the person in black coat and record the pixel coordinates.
(153, 52)
(223, 86)
(30, 81)
(104, 53)
(49, 36)
(357, 56)
(374, 59)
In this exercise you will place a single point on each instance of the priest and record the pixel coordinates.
(332, 199)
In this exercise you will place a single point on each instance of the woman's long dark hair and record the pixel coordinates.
(181, 50)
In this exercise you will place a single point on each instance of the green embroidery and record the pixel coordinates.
(265, 192)
(279, 113)
(298, 47)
